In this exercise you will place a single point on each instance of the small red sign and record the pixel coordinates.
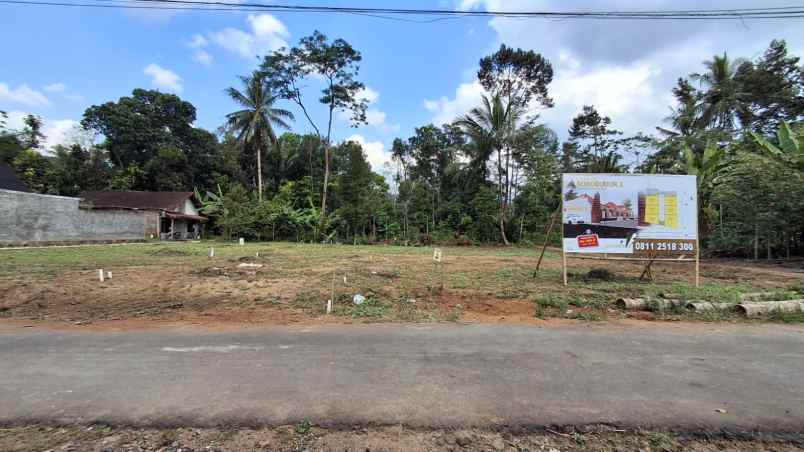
(586, 241)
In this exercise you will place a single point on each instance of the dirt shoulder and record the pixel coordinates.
(304, 437)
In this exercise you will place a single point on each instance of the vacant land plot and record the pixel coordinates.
(284, 283)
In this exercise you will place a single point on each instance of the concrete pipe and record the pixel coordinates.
(702, 306)
(632, 304)
(767, 307)
(664, 305)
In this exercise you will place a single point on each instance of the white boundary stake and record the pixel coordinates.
(437, 257)
(100, 275)
(212, 252)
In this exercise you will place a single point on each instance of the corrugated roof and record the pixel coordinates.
(159, 200)
(9, 180)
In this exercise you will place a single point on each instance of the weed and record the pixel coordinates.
(662, 442)
(584, 315)
(459, 281)
(455, 313)
(786, 317)
(303, 427)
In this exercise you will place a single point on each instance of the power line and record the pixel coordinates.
(783, 12)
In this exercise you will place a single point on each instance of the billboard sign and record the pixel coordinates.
(641, 214)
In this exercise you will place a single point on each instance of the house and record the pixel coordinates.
(10, 181)
(167, 215)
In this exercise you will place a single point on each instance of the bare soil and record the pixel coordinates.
(267, 284)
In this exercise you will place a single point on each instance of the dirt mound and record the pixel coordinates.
(599, 274)
(168, 252)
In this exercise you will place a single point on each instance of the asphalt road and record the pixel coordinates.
(420, 375)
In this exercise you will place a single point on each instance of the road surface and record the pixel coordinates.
(679, 376)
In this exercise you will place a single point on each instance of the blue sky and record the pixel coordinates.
(59, 61)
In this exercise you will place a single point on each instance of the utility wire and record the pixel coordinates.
(784, 12)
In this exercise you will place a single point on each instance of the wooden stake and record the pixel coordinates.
(646, 271)
(547, 238)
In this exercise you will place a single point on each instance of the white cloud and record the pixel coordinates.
(163, 78)
(375, 152)
(203, 57)
(369, 94)
(60, 131)
(375, 117)
(197, 41)
(56, 131)
(55, 87)
(266, 35)
(629, 94)
(445, 110)
(23, 95)
(625, 68)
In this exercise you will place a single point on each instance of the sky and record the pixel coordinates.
(58, 61)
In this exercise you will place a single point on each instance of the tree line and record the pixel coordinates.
(490, 176)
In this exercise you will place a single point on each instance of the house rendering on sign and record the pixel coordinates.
(167, 215)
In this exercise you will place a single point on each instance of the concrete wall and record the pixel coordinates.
(30, 218)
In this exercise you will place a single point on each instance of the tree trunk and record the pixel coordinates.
(322, 222)
(502, 197)
(259, 169)
(756, 242)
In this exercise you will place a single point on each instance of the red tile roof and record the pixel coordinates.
(157, 200)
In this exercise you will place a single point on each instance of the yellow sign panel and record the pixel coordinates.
(671, 211)
(652, 209)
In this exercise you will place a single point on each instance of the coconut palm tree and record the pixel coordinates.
(491, 128)
(722, 97)
(254, 124)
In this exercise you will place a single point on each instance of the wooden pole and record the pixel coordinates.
(697, 265)
(697, 241)
(563, 253)
(547, 238)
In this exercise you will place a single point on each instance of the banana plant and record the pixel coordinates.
(790, 151)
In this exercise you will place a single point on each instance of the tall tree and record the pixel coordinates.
(31, 134)
(773, 88)
(286, 72)
(137, 128)
(254, 124)
(492, 127)
(723, 97)
(517, 75)
(594, 142)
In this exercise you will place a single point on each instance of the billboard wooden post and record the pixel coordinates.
(697, 239)
(563, 253)
(697, 264)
